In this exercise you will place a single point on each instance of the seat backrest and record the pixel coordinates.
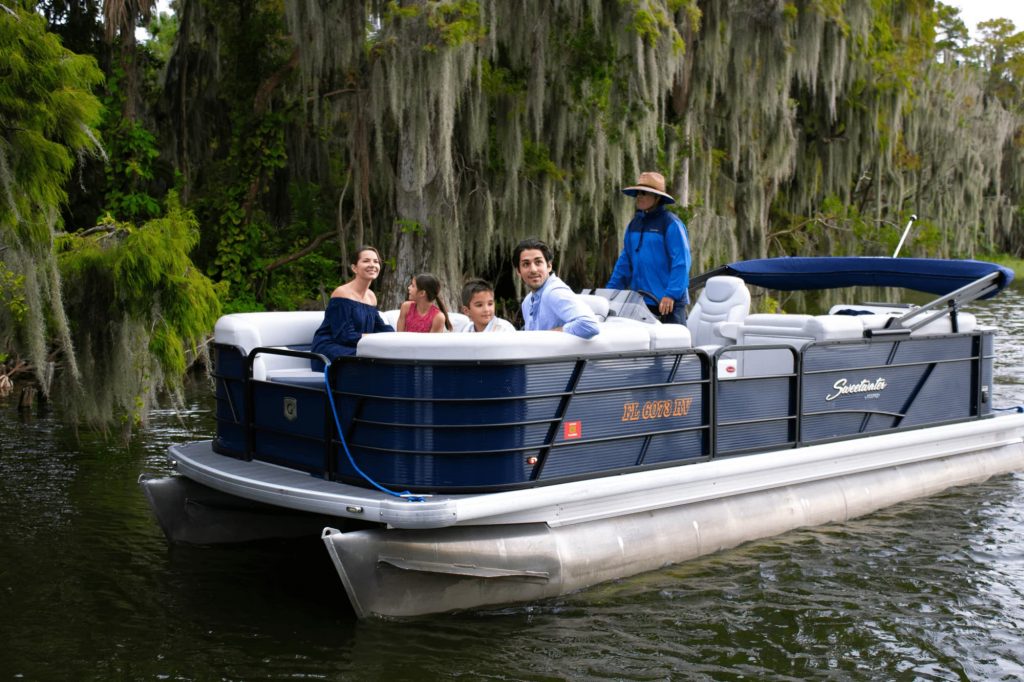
(597, 304)
(509, 346)
(458, 320)
(724, 299)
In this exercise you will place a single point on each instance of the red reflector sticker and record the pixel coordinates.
(572, 430)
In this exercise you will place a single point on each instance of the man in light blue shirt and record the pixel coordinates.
(551, 304)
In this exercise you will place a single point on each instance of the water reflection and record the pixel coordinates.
(1004, 313)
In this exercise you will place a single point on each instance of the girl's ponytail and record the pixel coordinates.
(430, 284)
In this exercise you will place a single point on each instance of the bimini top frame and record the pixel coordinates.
(930, 275)
(957, 282)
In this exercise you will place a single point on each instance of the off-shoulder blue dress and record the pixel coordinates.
(345, 322)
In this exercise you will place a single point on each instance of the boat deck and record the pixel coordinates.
(587, 500)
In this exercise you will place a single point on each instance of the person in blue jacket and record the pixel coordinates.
(655, 255)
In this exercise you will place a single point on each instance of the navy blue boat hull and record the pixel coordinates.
(452, 426)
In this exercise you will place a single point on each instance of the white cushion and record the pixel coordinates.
(598, 304)
(511, 346)
(881, 314)
(250, 330)
(253, 330)
(662, 335)
(458, 320)
(757, 328)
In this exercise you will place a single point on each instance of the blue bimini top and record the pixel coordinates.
(932, 275)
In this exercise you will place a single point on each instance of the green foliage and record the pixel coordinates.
(1014, 263)
(651, 21)
(458, 22)
(1002, 50)
(895, 57)
(164, 30)
(154, 304)
(12, 293)
(952, 35)
(448, 23)
(408, 226)
(133, 151)
(48, 115)
(767, 304)
(301, 282)
(595, 71)
(238, 237)
(257, 150)
(500, 82)
(243, 303)
(537, 162)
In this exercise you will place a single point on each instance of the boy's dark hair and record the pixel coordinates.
(531, 243)
(472, 287)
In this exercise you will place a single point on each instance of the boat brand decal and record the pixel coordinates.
(842, 388)
(572, 430)
(656, 409)
(291, 409)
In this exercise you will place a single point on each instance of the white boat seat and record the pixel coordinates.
(458, 320)
(662, 335)
(795, 331)
(297, 376)
(877, 316)
(798, 330)
(246, 331)
(725, 299)
(597, 304)
(295, 330)
(521, 345)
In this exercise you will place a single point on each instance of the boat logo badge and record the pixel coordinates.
(842, 388)
(291, 409)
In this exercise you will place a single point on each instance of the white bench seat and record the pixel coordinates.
(509, 346)
(247, 331)
(797, 330)
(877, 316)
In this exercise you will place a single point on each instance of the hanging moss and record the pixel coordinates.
(481, 128)
(157, 310)
(48, 116)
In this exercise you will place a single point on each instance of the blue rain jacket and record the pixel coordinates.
(655, 257)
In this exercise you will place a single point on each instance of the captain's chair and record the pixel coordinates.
(725, 299)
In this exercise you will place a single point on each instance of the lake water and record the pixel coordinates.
(89, 589)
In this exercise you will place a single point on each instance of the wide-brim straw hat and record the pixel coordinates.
(649, 181)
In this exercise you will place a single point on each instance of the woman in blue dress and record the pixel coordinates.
(352, 310)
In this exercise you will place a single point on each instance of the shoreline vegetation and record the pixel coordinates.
(1006, 260)
(231, 161)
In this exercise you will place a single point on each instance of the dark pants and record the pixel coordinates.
(677, 316)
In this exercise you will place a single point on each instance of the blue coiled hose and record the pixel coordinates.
(408, 496)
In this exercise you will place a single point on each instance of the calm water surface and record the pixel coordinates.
(89, 589)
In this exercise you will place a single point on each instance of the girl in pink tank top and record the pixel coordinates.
(424, 311)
